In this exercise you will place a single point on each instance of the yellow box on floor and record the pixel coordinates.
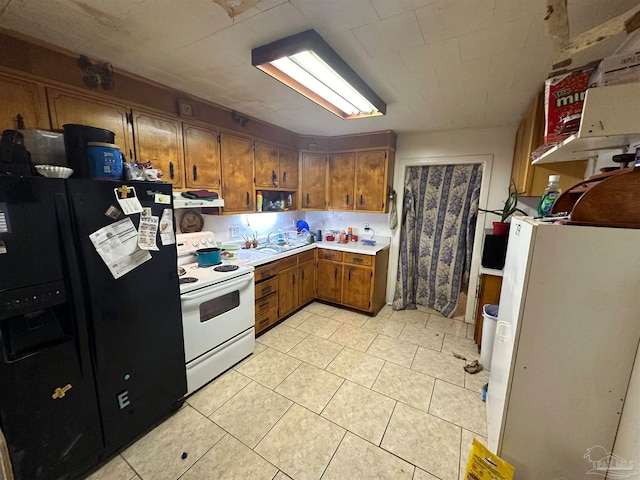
(484, 465)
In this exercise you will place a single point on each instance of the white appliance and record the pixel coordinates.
(218, 311)
(566, 339)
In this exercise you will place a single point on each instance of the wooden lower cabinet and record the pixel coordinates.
(282, 287)
(488, 292)
(353, 280)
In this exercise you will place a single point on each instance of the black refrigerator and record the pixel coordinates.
(91, 357)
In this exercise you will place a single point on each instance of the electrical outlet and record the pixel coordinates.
(366, 226)
(234, 232)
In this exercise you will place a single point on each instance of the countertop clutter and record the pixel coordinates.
(255, 257)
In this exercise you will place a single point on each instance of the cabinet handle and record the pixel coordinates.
(195, 173)
(219, 181)
(263, 304)
(361, 200)
(284, 177)
(349, 275)
(294, 279)
(357, 260)
(247, 198)
(171, 173)
(307, 199)
(347, 199)
(302, 273)
(274, 178)
(264, 320)
(335, 275)
(266, 290)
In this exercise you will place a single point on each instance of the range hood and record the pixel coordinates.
(180, 202)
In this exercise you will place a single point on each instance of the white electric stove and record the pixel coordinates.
(218, 311)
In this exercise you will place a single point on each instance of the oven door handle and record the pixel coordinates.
(207, 291)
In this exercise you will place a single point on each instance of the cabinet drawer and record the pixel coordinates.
(266, 287)
(269, 302)
(266, 271)
(306, 256)
(266, 319)
(288, 262)
(357, 259)
(325, 254)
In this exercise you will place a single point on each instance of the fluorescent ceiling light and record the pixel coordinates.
(306, 63)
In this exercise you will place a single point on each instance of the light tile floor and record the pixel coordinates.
(327, 394)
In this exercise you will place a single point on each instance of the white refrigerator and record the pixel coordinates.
(566, 339)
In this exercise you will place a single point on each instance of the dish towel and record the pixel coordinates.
(200, 194)
(393, 212)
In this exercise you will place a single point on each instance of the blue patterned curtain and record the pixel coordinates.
(436, 236)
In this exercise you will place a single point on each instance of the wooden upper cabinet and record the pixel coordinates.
(531, 180)
(314, 181)
(341, 181)
(289, 170)
(371, 181)
(236, 158)
(159, 140)
(21, 97)
(66, 107)
(267, 166)
(276, 167)
(202, 157)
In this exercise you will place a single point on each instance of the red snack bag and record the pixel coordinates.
(563, 101)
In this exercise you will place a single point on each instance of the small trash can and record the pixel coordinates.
(490, 315)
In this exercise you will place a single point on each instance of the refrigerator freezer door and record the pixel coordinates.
(135, 321)
(513, 286)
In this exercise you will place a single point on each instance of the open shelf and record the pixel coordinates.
(609, 125)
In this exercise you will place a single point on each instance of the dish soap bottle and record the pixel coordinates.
(551, 193)
(259, 201)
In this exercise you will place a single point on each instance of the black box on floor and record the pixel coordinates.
(494, 251)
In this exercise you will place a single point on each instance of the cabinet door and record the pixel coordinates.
(67, 107)
(371, 194)
(341, 181)
(488, 292)
(289, 168)
(20, 97)
(329, 281)
(314, 181)
(288, 291)
(159, 141)
(307, 285)
(202, 157)
(356, 287)
(266, 165)
(236, 156)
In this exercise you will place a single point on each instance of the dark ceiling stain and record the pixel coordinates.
(100, 16)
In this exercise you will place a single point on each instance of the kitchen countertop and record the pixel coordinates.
(253, 258)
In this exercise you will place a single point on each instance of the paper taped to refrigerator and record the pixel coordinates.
(117, 245)
(167, 236)
(147, 232)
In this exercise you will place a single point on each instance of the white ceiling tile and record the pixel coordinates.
(492, 40)
(414, 82)
(393, 34)
(507, 108)
(523, 58)
(453, 72)
(431, 55)
(337, 15)
(510, 10)
(484, 84)
(389, 8)
(265, 5)
(449, 18)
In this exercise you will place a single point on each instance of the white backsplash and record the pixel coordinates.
(263, 223)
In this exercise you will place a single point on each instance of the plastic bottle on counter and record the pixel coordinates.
(343, 237)
(349, 234)
(551, 193)
(259, 201)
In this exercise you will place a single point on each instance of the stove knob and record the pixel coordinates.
(210, 240)
(194, 243)
(203, 241)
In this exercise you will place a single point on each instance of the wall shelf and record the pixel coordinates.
(609, 124)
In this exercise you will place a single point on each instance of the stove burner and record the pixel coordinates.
(187, 280)
(200, 267)
(181, 271)
(226, 268)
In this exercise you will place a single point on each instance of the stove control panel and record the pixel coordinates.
(188, 243)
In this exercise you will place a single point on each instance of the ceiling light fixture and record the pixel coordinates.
(306, 63)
